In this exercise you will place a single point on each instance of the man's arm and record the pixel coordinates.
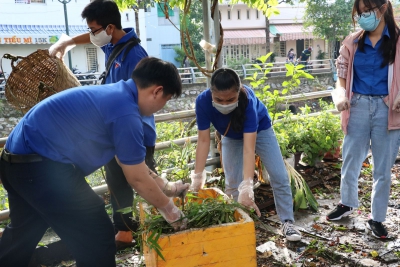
(139, 176)
(82, 39)
(65, 44)
(146, 183)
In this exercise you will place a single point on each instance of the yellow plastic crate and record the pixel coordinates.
(230, 244)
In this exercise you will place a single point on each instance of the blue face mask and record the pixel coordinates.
(369, 23)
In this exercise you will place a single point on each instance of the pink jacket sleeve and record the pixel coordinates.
(342, 62)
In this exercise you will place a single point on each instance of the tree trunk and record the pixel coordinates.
(267, 40)
(137, 22)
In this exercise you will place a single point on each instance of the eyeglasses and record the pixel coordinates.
(93, 32)
(366, 14)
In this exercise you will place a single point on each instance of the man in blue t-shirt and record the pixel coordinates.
(105, 31)
(68, 136)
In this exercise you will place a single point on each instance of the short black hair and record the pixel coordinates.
(154, 71)
(104, 12)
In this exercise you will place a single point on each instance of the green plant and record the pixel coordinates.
(321, 55)
(235, 63)
(322, 135)
(199, 214)
(275, 99)
(301, 193)
(177, 158)
(272, 57)
(3, 198)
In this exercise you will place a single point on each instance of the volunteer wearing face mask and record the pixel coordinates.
(367, 95)
(105, 31)
(243, 119)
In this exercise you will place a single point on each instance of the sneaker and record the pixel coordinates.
(290, 232)
(378, 230)
(339, 212)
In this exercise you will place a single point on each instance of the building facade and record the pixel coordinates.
(28, 25)
(245, 35)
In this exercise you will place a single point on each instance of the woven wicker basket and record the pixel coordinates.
(35, 77)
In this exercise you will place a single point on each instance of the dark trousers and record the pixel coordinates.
(51, 194)
(122, 194)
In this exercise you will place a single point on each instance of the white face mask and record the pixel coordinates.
(101, 38)
(225, 109)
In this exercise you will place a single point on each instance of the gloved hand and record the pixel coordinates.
(396, 103)
(174, 216)
(246, 195)
(340, 99)
(198, 180)
(62, 46)
(176, 189)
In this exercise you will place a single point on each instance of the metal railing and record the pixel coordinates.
(278, 69)
(194, 75)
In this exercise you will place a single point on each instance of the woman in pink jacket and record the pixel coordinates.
(367, 94)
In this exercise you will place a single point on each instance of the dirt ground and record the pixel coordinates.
(324, 243)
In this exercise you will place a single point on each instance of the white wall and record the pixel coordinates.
(41, 14)
(288, 15)
(243, 22)
(159, 30)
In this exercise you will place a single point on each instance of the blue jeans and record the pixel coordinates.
(268, 149)
(368, 127)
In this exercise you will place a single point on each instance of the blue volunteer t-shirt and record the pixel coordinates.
(122, 70)
(257, 117)
(369, 77)
(84, 126)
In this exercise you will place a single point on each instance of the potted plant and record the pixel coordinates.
(321, 55)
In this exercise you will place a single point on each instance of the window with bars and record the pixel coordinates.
(224, 53)
(282, 48)
(91, 57)
(229, 14)
(238, 13)
(245, 51)
(30, 1)
(307, 43)
(234, 51)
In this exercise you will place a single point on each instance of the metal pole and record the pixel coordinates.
(217, 32)
(65, 2)
(206, 35)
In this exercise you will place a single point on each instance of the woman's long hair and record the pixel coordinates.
(388, 47)
(225, 79)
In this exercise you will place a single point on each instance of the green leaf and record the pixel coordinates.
(310, 197)
(298, 199)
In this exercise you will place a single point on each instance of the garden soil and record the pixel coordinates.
(341, 243)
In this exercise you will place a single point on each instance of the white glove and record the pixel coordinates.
(62, 46)
(340, 99)
(175, 189)
(246, 195)
(396, 103)
(174, 216)
(198, 180)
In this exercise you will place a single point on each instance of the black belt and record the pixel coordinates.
(14, 158)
